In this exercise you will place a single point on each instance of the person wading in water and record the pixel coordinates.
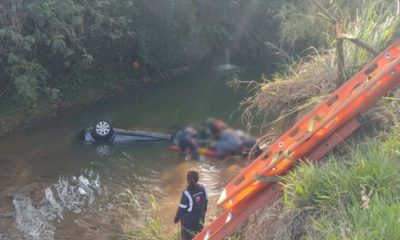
(192, 208)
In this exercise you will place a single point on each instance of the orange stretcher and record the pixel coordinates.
(311, 137)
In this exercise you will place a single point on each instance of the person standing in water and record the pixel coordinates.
(185, 138)
(192, 208)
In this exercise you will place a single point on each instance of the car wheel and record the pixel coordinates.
(103, 130)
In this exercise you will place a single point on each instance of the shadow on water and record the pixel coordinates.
(55, 187)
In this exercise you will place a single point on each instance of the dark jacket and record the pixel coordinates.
(192, 207)
(185, 138)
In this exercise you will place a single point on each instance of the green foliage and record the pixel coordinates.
(377, 25)
(57, 35)
(304, 23)
(355, 198)
(300, 25)
(29, 79)
(310, 79)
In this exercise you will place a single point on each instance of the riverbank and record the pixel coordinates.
(349, 196)
(101, 86)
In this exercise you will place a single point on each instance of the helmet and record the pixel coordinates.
(215, 125)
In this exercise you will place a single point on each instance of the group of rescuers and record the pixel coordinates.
(217, 136)
(225, 141)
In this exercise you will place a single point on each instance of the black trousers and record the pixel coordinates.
(188, 232)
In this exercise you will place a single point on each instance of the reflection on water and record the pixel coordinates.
(54, 187)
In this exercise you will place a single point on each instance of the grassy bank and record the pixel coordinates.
(351, 196)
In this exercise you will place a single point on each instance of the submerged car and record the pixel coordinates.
(104, 132)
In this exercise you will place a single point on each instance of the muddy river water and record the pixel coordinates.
(52, 186)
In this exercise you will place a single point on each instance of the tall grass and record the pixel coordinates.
(150, 228)
(307, 81)
(352, 197)
(376, 23)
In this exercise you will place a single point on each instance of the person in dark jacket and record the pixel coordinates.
(186, 139)
(192, 208)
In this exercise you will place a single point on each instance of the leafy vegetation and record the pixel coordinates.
(43, 42)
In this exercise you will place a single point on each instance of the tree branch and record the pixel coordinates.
(360, 43)
(325, 11)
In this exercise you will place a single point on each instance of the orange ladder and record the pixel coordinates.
(311, 137)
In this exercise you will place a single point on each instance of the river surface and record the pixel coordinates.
(52, 186)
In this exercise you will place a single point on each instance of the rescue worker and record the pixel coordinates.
(185, 138)
(192, 208)
(227, 144)
(228, 141)
(215, 127)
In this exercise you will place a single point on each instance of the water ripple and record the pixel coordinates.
(35, 219)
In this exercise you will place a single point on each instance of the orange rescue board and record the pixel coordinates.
(354, 97)
(232, 218)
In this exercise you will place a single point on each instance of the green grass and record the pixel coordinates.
(352, 197)
(377, 25)
(150, 228)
